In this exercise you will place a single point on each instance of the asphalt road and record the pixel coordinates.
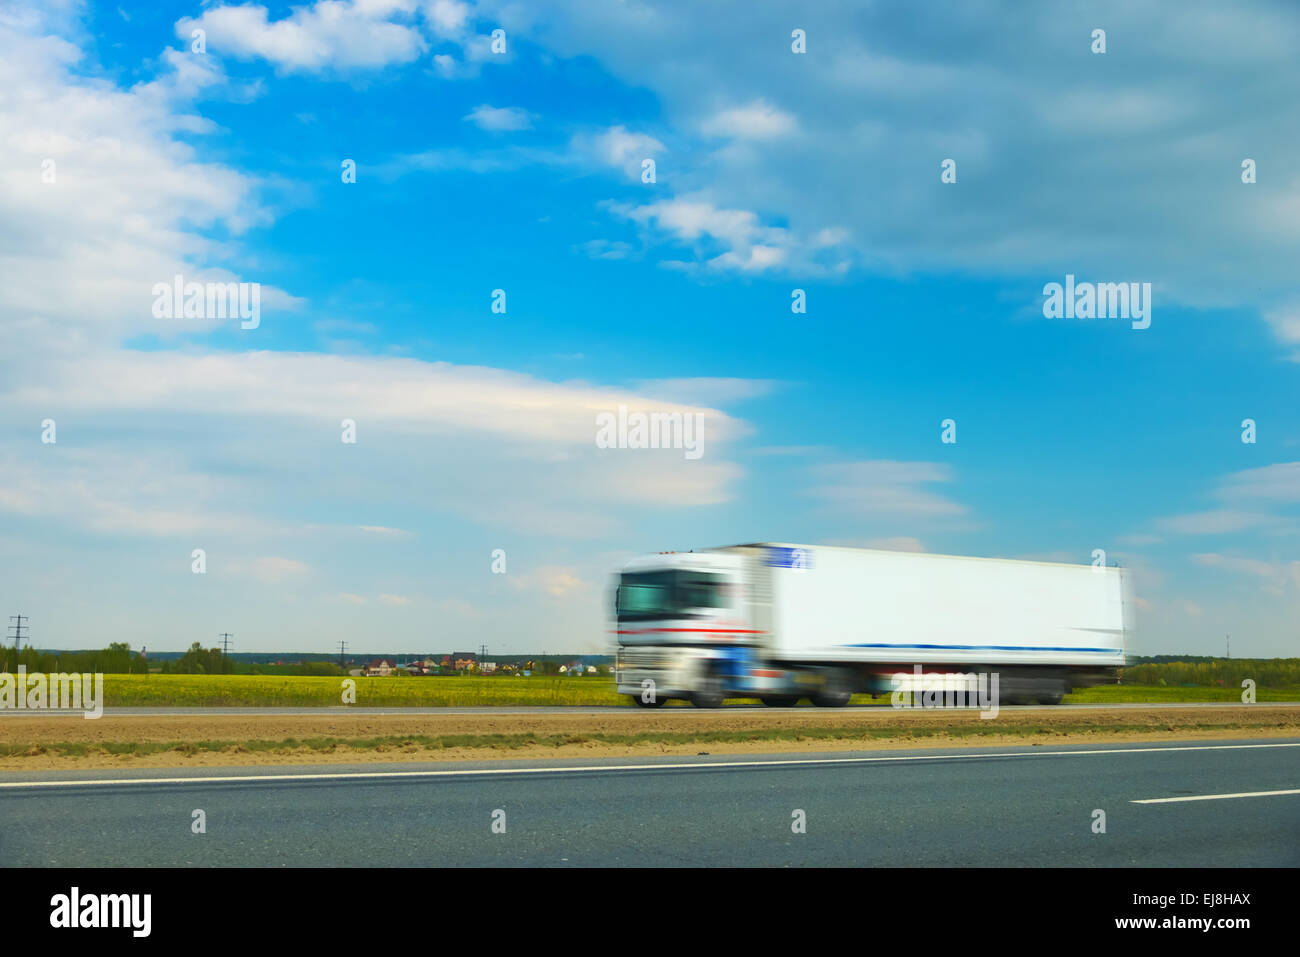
(1030, 806)
(883, 707)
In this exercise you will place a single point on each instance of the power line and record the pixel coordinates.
(225, 643)
(18, 630)
(343, 647)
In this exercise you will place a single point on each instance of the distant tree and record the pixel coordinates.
(203, 661)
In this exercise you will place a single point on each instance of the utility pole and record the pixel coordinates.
(18, 630)
(225, 649)
(1228, 639)
(343, 647)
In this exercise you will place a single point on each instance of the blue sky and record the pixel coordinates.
(522, 171)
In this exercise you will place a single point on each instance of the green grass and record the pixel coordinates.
(509, 742)
(1154, 694)
(290, 691)
(459, 692)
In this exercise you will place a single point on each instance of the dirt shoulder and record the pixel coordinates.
(65, 742)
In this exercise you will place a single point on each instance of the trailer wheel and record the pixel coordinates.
(780, 701)
(835, 693)
(656, 703)
(836, 699)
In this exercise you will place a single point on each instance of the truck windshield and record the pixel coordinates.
(643, 596)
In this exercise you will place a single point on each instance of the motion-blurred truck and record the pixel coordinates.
(786, 622)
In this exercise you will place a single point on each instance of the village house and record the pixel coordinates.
(379, 668)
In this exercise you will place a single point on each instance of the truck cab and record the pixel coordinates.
(678, 617)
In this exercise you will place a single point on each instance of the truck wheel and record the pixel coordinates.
(709, 693)
(656, 703)
(780, 701)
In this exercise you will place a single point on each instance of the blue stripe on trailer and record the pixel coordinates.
(1100, 651)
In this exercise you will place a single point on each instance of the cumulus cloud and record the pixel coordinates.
(500, 119)
(1065, 159)
(726, 238)
(618, 147)
(128, 203)
(235, 450)
(327, 35)
(449, 18)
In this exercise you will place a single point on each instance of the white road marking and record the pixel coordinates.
(470, 772)
(1215, 797)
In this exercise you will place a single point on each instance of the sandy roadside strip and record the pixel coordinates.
(569, 735)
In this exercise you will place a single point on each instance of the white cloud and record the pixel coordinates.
(1278, 576)
(1250, 500)
(446, 66)
(885, 94)
(125, 210)
(755, 121)
(449, 18)
(327, 35)
(500, 119)
(397, 601)
(728, 238)
(246, 444)
(606, 249)
(271, 417)
(273, 569)
(617, 147)
(393, 394)
(556, 581)
(883, 488)
(1270, 483)
(385, 531)
(141, 492)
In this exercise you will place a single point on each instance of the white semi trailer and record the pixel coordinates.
(783, 622)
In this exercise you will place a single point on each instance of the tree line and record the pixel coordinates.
(118, 659)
